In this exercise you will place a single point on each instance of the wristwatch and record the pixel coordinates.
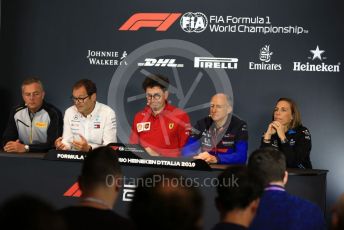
(27, 148)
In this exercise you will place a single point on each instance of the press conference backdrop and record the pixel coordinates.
(255, 51)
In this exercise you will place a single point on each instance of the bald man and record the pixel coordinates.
(220, 138)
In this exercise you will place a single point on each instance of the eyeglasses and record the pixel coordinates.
(79, 99)
(156, 96)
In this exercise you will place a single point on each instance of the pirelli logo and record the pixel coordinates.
(216, 63)
(160, 21)
(41, 124)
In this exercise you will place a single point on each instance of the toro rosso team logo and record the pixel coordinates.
(160, 21)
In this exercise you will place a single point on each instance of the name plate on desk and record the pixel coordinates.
(133, 155)
(163, 162)
(63, 155)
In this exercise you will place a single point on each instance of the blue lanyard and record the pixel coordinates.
(274, 188)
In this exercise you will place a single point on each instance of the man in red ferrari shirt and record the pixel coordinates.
(160, 128)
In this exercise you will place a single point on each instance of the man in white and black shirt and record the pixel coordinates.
(88, 124)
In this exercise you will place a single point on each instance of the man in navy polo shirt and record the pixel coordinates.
(219, 138)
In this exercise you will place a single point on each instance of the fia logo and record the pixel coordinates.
(193, 22)
(121, 148)
(265, 54)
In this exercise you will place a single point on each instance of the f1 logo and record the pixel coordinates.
(160, 21)
(73, 191)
